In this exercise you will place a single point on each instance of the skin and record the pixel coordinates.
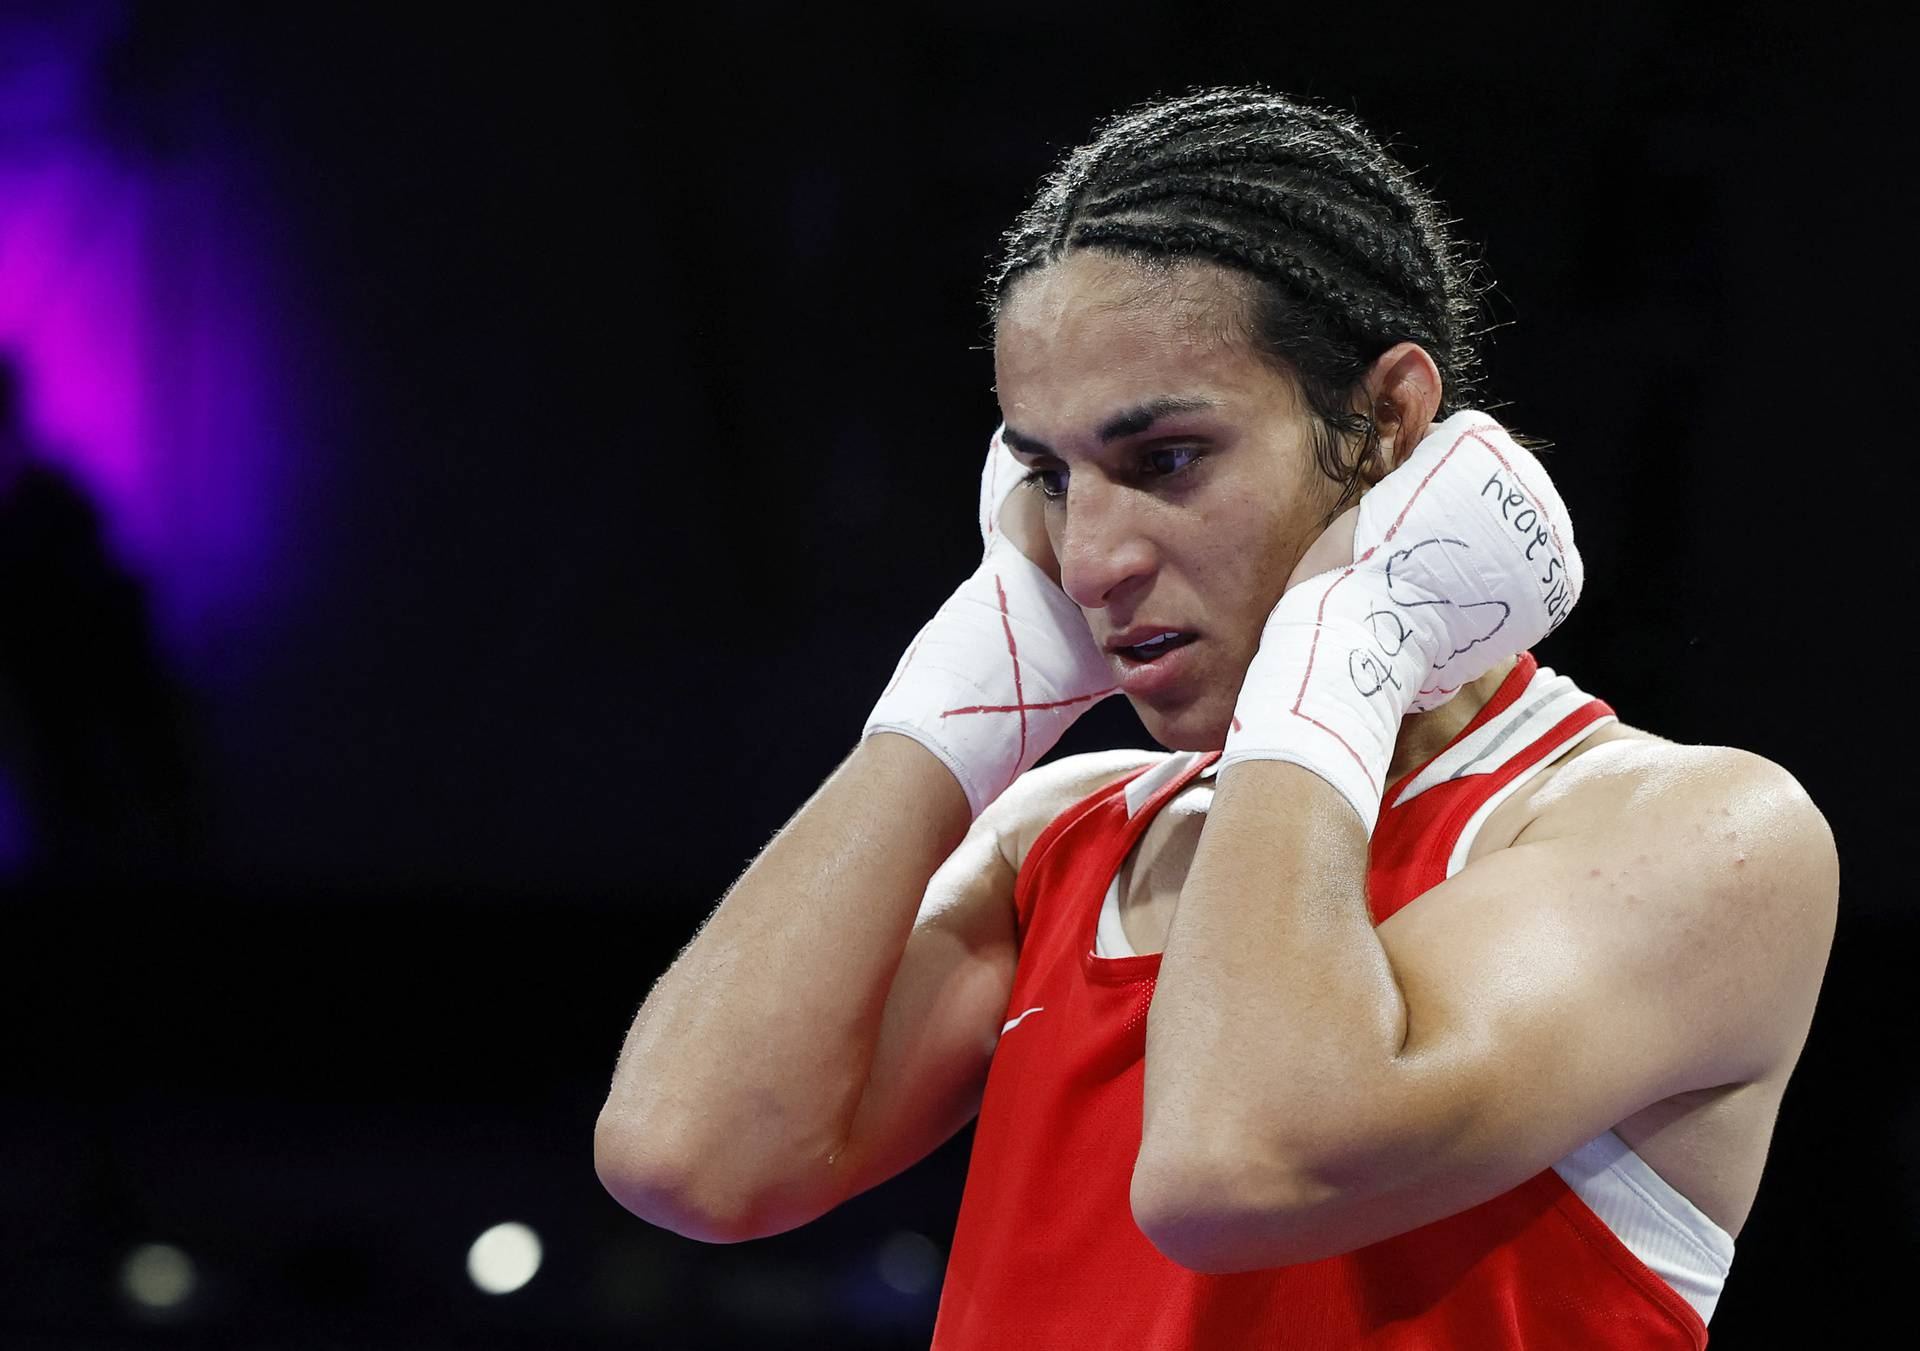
(1201, 521)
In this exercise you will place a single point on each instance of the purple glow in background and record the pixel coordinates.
(135, 303)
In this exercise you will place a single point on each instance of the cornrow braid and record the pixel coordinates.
(1145, 130)
(1335, 146)
(1348, 253)
(1380, 253)
(1364, 308)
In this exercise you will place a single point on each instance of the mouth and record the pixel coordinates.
(1156, 665)
(1152, 649)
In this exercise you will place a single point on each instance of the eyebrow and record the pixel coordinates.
(1130, 423)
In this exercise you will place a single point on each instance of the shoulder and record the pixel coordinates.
(1036, 798)
(1734, 868)
(1634, 779)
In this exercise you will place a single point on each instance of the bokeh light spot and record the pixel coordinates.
(504, 1258)
(158, 1275)
(909, 1262)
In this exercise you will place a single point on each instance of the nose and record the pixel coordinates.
(1103, 551)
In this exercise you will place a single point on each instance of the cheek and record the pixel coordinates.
(1248, 546)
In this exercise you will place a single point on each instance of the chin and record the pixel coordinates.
(1196, 727)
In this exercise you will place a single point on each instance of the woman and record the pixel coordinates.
(1412, 999)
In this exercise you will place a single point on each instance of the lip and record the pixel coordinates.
(1139, 633)
(1146, 680)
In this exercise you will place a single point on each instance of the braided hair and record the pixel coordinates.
(1348, 253)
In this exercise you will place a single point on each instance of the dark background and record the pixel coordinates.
(644, 389)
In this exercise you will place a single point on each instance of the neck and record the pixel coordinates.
(1423, 735)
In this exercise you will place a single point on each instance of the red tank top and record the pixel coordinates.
(1046, 1253)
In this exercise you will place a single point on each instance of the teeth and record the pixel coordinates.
(1154, 642)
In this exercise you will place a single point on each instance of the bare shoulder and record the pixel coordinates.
(1735, 867)
(1626, 777)
(1030, 805)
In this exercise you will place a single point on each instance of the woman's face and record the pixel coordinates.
(1177, 469)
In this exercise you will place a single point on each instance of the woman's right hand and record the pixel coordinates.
(1023, 520)
(1008, 663)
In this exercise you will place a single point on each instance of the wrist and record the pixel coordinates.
(1341, 660)
(995, 678)
(920, 780)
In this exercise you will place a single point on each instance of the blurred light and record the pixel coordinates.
(137, 301)
(909, 1262)
(504, 1258)
(158, 1275)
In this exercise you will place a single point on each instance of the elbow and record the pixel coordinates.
(1219, 1219)
(663, 1202)
(1180, 1222)
(706, 1195)
(649, 1180)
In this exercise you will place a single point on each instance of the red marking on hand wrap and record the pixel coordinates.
(904, 665)
(1476, 434)
(1401, 518)
(1013, 651)
(1236, 723)
(1021, 706)
(1533, 497)
(1471, 434)
(1313, 652)
(1030, 708)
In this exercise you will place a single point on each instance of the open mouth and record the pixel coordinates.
(1142, 653)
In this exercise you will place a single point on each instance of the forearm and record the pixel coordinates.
(748, 1058)
(1276, 1019)
(1279, 1027)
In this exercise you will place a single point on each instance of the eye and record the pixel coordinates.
(1156, 459)
(1038, 478)
(1192, 453)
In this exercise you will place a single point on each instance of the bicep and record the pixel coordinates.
(1661, 942)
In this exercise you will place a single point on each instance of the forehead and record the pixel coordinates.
(1093, 331)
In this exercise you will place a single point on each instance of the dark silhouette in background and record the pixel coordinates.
(92, 731)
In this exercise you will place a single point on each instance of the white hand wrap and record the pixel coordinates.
(1002, 669)
(1463, 557)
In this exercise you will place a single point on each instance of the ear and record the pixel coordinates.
(1402, 389)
